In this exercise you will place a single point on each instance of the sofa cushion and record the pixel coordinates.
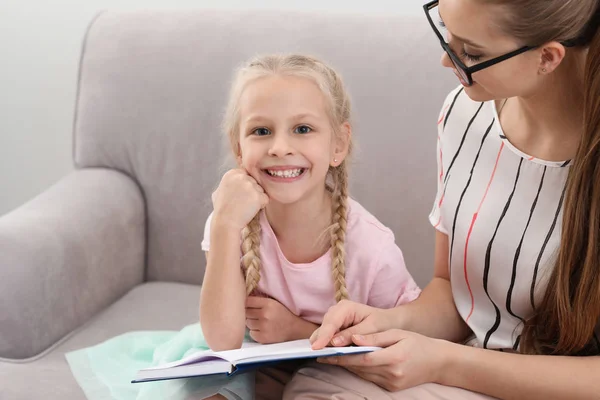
(150, 306)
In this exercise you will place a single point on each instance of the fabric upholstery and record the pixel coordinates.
(148, 149)
(153, 87)
(65, 256)
(149, 306)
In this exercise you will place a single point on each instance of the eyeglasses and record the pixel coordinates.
(466, 73)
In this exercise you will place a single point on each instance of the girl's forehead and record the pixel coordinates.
(276, 95)
(282, 83)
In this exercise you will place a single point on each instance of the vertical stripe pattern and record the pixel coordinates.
(501, 210)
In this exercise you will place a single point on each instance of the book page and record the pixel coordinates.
(286, 350)
(201, 356)
(258, 350)
(255, 352)
(206, 355)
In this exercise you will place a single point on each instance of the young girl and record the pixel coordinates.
(284, 242)
(288, 128)
(517, 218)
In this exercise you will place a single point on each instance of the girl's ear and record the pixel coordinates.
(341, 145)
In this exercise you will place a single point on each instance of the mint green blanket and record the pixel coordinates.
(105, 371)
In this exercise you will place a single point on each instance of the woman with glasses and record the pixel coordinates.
(513, 309)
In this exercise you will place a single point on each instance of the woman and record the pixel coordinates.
(517, 219)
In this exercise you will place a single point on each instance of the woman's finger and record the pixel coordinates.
(344, 361)
(323, 335)
(380, 339)
(373, 359)
(339, 316)
(346, 336)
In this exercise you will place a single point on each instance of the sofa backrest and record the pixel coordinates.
(153, 87)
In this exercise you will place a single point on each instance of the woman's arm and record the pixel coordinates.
(434, 313)
(517, 376)
(222, 303)
(409, 359)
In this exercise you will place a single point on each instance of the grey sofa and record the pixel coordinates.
(115, 246)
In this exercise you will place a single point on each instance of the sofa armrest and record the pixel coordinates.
(66, 255)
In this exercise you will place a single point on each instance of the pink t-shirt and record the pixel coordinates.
(375, 271)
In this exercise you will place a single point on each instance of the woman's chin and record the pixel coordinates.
(475, 93)
(478, 93)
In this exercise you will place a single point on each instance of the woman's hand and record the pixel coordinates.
(346, 319)
(406, 360)
(270, 321)
(238, 199)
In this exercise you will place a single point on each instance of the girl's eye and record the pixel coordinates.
(471, 57)
(261, 132)
(303, 129)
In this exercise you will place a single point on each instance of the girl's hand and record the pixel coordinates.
(270, 321)
(238, 199)
(407, 359)
(346, 319)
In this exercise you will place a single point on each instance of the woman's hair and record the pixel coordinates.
(338, 108)
(564, 322)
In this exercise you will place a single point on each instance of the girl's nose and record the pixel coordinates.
(281, 145)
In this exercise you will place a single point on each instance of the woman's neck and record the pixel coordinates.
(549, 123)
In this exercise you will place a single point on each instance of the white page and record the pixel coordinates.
(255, 352)
(281, 351)
(266, 350)
(302, 351)
(203, 356)
(191, 359)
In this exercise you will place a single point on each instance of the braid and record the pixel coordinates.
(338, 231)
(251, 259)
(338, 109)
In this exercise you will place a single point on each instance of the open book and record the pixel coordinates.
(251, 355)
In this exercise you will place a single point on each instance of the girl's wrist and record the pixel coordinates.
(302, 329)
(222, 225)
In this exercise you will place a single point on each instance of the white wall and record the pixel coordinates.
(39, 51)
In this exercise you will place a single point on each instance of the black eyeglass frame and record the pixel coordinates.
(468, 71)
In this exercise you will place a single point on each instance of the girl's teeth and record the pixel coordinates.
(290, 173)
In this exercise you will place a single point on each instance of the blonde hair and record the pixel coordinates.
(338, 102)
